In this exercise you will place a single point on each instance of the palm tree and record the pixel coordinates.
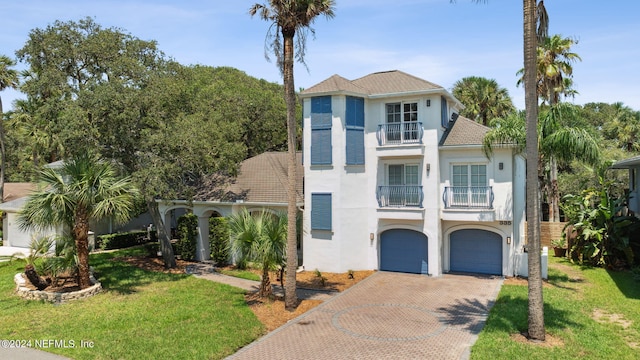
(288, 17)
(262, 239)
(483, 99)
(85, 188)
(555, 68)
(533, 15)
(8, 79)
(554, 78)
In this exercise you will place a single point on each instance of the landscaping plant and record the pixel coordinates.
(604, 230)
(187, 236)
(260, 238)
(219, 240)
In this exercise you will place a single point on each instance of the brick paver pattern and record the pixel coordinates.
(387, 316)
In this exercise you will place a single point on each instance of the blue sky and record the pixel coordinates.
(432, 39)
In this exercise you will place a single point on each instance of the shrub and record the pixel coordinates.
(219, 240)
(187, 236)
(123, 240)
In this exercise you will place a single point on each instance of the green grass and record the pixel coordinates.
(243, 274)
(569, 308)
(139, 315)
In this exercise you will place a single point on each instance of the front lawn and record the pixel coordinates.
(590, 313)
(139, 315)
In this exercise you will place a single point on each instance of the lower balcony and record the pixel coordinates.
(468, 197)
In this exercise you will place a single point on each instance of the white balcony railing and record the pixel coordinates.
(400, 196)
(468, 197)
(408, 132)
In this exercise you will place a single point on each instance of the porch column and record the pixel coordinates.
(203, 248)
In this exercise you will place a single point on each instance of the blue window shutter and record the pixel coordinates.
(354, 120)
(321, 118)
(321, 211)
(321, 146)
(355, 146)
(445, 112)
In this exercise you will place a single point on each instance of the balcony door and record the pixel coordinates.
(402, 122)
(469, 185)
(404, 185)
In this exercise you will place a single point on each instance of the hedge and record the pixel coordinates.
(123, 240)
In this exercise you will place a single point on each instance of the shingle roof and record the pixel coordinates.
(464, 131)
(14, 191)
(386, 82)
(333, 84)
(262, 178)
(391, 82)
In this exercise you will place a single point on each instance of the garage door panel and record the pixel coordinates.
(404, 250)
(476, 251)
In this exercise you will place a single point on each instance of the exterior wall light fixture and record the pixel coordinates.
(508, 240)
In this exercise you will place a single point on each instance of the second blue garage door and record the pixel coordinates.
(404, 250)
(476, 251)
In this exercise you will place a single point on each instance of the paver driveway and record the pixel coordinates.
(387, 316)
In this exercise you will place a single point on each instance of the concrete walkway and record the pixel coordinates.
(387, 316)
(207, 271)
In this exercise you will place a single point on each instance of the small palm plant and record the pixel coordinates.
(85, 188)
(262, 239)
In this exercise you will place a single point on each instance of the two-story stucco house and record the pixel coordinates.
(395, 180)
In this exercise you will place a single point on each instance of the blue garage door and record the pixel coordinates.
(403, 251)
(476, 251)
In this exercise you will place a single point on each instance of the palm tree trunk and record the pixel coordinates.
(554, 192)
(265, 284)
(290, 297)
(2, 154)
(536, 331)
(165, 242)
(81, 236)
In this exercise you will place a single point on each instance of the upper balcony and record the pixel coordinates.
(408, 132)
(400, 139)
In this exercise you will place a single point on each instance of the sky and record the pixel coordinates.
(436, 40)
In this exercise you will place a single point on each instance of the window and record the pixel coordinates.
(320, 211)
(321, 118)
(444, 112)
(402, 122)
(354, 119)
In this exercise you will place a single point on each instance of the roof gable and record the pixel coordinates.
(336, 83)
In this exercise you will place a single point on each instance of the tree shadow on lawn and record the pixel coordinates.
(122, 278)
(626, 283)
(508, 314)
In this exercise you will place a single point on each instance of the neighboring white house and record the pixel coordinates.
(633, 165)
(15, 196)
(395, 180)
